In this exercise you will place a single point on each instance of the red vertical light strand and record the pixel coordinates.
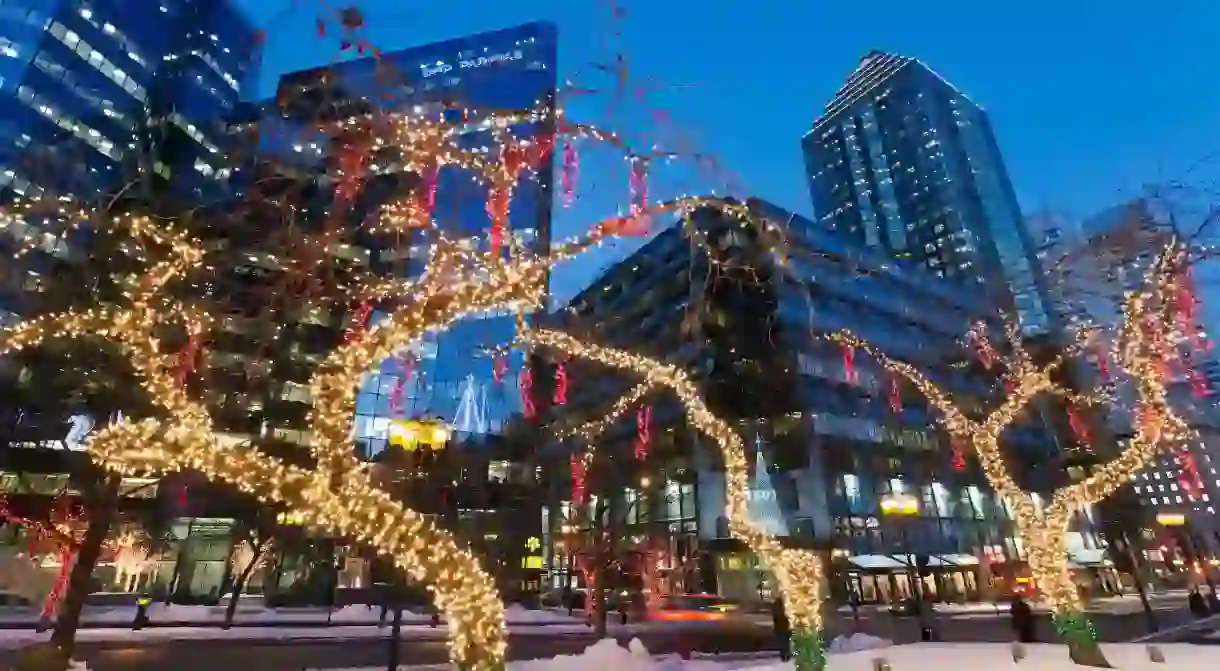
(638, 222)
(577, 467)
(978, 339)
(561, 384)
(849, 364)
(1188, 476)
(1080, 428)
(499, 366)
(185, 360)
(643, 431)
(527, 394)
(497, 212)
(1198, 383)
(50, 604)
(359, 321)
(1102, 360)
(957, 455)
(895, 395)
(571, 169)
(426, 194)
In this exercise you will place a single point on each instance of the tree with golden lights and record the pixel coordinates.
(155, 328)
(1140, 348)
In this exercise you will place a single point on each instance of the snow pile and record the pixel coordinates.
(605, 655)
(516, 614)
(359, 613)
(856, 643)
(1043, 657)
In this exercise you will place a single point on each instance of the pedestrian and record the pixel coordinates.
(783, 630)
(1198, 604)
(1023, 620)
(1213, 601)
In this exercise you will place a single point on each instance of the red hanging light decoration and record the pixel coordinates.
(1080, 428)
(405, 371)
(499, 366)
(1198, 383)
(643, 431)
(358, 321)
(1188, 476)
(637, 222)
(571, 168)
(957, 455)
(185, 360)
(1102, 361)
(895, 395)
(497, 212)
(849, 363)
(527, 394)
(577, 467)
(561, 384)
(977, 338)
(50, 604)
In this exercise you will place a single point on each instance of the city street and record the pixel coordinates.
(295, 655)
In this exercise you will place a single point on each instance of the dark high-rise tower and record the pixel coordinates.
(903, 161)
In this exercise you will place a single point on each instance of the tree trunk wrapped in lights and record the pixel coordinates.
(1141, 346)
(799, 573)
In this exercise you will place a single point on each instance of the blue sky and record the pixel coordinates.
(1090, 99)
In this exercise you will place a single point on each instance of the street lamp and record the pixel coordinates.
(1179, 521)
(903, 506)
(900, 505)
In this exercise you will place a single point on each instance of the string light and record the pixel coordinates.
(799, 573)
(338, 495)
(1141, 346)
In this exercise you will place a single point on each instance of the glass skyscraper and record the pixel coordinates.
(903, 161)
(86, 85)
(448, 375)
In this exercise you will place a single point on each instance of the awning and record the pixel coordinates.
(877, 563)
(941, 561)
(1088, 558)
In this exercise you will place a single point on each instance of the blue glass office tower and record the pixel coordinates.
(86, 85)
(903, 161)
(450, 375)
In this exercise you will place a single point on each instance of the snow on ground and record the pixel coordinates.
(1044, 657)
(608, 655)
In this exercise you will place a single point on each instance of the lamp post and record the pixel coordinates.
(1179, 521)
(903, 507)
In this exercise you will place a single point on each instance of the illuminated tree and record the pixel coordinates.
(156, 330)
(1141, 348)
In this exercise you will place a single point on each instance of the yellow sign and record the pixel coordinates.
(1171, 519)
(411, 434)
(900, 505)
(532, 561)
(533, 544)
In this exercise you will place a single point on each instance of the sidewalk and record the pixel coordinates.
(255, 615)
(1113, 605)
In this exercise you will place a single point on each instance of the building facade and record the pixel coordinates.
(903, 161)
(830, 434)
(262, 363)
(94, 95)
(1095, 263)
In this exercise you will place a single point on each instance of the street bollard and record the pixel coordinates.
(141, 619)
(395, 635)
